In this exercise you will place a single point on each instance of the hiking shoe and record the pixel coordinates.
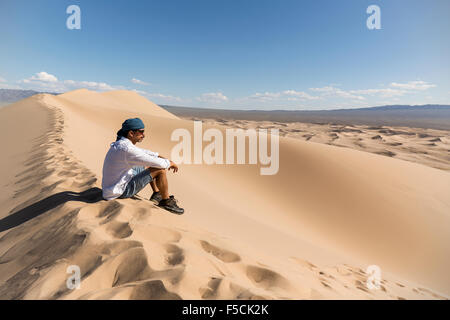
(171, 205)
(156, 197)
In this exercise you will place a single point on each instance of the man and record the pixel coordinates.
(127, 169)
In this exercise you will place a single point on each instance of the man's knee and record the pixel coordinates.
(156, 172)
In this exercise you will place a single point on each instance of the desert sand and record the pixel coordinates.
(308, 232)
(430, 147)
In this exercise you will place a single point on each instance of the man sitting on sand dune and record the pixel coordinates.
(127, 169)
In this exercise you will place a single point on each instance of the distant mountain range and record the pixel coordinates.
(13, 95)
(423, 116)
(379, 108)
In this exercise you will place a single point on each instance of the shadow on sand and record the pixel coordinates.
(34, 210)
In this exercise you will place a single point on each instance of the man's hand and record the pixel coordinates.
(173, 166)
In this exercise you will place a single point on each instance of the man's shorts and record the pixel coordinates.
(140, 179)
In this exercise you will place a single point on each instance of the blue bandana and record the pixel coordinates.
(130, 124)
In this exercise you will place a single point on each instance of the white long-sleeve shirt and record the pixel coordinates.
(122, 156)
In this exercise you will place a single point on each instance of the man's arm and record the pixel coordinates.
(151, 153)
(172, 166)
(139, 157)
(154, 154)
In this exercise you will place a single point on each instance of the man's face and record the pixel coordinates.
(136, 136)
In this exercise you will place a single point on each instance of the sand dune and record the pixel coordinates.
(430, 147)
(308, 232)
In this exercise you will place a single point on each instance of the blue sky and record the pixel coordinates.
(247, 54)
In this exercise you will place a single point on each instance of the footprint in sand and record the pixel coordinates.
(266, 278)
(132, 266)
(242, 293)
(326, 284)
(434, 295)
(210, 290)
(343, 270)
(321, 275)
(86, 183)
(109, 210)
(305, 264)
(51, 187)
(361, 286)
(141, 214)
(119, 246)
(36, 174)
(174, 255)
(67, 174)
(152, 290)
(119, 230)
(172, 275)
(219, 253)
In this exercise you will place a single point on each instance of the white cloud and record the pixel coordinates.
(375, 95)
(42, 77)
(92, 85)
(2, 79)
(396, 89)
(159, 96)
(137, 81)
(299, 95)
(165, 97)
(265, 96)
(327, 96)
(213, 97)
(336, 92)
(44, 81)
(323, 89)
(413, 85)
(290, 95)
(140, 92)
(384, 93)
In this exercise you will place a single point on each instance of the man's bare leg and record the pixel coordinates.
(153, 183)
(160, 178)
(154, 186)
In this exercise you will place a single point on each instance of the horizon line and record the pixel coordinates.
(245, 110)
